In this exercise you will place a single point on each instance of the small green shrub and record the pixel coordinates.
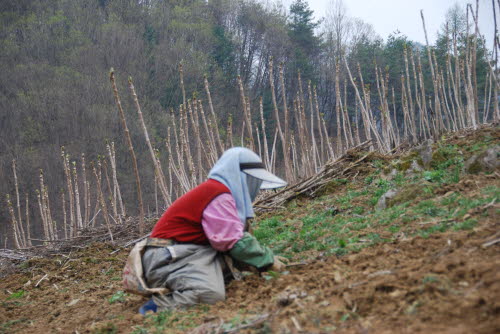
(119, 296)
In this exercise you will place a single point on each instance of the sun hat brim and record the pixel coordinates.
(269, 180)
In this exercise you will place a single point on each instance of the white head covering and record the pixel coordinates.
(242, 171)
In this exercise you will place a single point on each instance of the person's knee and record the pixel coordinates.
(211, 296)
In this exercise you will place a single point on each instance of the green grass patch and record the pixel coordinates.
(17, 295)
(344, 220)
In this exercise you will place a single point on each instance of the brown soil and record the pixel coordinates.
(447, 283)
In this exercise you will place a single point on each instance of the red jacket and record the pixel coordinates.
(182, 220)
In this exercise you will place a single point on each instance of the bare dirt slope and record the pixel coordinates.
(446, 282)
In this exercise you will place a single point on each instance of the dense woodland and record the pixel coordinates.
(55, 90)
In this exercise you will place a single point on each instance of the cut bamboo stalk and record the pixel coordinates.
(397, 133)
(246, 114)
(323, 125)
(273, 152)
(103, 202)
(47, 219)
(116, 199)
(258, 139)
(404, 106)
(486, 112)
(65, 227)
(17, 240)
(265, 156)
(69, 184)
(97, 207)
(249, 117)
(199, 145)
(337, 110)
(285, 112)
(278, 123)
(183, 135)
(110, 191)
(181, 178)
(419, 128)
(425, 126)
(305, 144)
(18, 205)
(212, 145)
(412, 127)
(181, 170)
(243, 134)
(301, 170)
(365, 109)
(346, 117)
(118, 190)
(214, 118)
(358, 139)
(321, 149)
(294, 156)
(86, 194)
(446, 106)
(170, 163)
(475, 16)
(390, 127)
(433, 74)
(183, 89)
(457, 84)
(28, 227)
(113, 188)
(314, 144)
(42, 215)
(156, 196)
(131, 150)
(89, 202)
(450, 84)
(229, 132)
(52, 222)
(77, 198)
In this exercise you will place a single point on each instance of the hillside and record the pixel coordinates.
(426, 260)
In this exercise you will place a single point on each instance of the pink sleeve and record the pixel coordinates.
(221, 223)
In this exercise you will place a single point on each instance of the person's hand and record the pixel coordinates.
(279, 263)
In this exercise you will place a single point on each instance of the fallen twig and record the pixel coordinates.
(41, 279)
(257, 321)
(296, 324)
(490, 243)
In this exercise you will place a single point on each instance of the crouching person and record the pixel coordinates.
(184, 253)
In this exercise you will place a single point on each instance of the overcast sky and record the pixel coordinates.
(387, 16)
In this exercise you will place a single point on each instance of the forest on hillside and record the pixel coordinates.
(55, 91)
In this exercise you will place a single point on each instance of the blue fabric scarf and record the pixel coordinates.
(243, 187)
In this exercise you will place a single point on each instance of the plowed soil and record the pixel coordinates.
(448, 283)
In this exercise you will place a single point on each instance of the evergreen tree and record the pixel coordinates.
(306, 44)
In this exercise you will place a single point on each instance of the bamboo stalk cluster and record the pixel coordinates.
(302, 141)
